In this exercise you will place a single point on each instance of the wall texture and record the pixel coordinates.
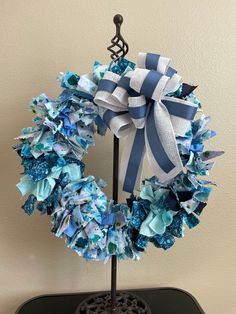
(38, 39)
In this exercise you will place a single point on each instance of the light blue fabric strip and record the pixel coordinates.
(134, 162)
(151, 61)
(137, 112)
(155, 144)
(71, 229)
(180, 110)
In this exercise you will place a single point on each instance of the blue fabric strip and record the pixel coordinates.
(170, 72)
(108, 219)
(150, 83)
(134, 162)
(109, 115)
(137, 112)
(85, 95)
(197, 148)
(151, 61)
(106, 85)
(155, 144)
(71, 229)
(180, 110)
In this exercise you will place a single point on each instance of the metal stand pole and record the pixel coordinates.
(112, 301)
(115, 198)
(113, 283)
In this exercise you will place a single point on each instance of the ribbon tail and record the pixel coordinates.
(132, 160)
(162, 151)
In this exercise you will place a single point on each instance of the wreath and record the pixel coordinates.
(149, 105)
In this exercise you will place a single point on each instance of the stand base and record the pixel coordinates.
(127, 303)
(160, 301)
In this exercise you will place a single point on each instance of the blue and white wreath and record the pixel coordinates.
(150, 106)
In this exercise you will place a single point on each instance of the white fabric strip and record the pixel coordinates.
(86, 84)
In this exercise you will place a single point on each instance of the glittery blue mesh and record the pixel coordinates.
(29, 205)
(36, 169)
(141, 243)
(177, 226)
(165, 241)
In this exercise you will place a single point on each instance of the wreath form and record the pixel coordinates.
(94, 227)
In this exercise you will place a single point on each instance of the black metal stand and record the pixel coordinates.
(114, 302)
(125, 303)
(115, 198)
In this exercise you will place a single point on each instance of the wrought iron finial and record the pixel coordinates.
(119, 47)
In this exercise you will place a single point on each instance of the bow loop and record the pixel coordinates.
(149, 83)
(105, 97)
(138, 105)
(152, 61)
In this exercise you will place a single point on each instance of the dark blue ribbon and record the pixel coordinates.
(109, 115)
(134, 161)
(179, 110)
(137, 112)
(170, 72)
(107, 86)
(151, 61)
(150, 83)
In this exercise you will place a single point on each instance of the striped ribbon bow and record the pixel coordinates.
(136, 105)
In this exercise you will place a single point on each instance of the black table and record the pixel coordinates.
(160, 300)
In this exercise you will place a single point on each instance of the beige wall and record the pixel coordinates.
(38, 39)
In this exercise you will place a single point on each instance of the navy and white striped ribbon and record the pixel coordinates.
(136, 105)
